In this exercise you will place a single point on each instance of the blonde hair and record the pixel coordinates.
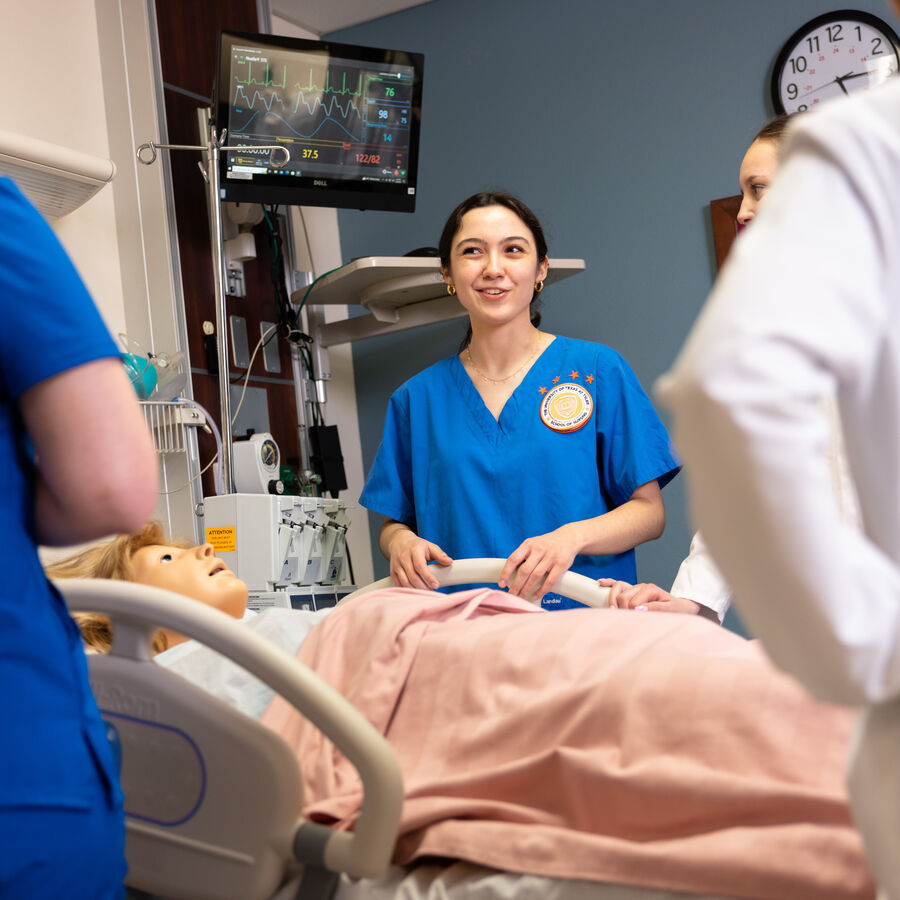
(111, 559)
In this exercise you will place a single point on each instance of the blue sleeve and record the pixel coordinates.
(50, 323)
(389, 485)
(634, 446)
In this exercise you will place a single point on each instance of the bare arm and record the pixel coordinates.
(541, 560)
(97, 470)
(409, 555)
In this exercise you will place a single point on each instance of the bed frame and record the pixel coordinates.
(212, 798)
(478, 571)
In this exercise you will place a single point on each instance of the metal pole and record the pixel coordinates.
(218, 253)
(146, 154)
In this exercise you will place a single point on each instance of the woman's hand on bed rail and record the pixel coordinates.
(647, 597)
(538, 562)
(409, 556)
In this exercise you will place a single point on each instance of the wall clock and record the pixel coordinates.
(835, 54)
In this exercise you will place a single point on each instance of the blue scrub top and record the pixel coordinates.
(478, 487)
(53, 742)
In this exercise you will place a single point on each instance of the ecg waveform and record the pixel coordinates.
(333, 102)
(266, 112)
(333, 115)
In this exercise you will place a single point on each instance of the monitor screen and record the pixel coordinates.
(348, 116)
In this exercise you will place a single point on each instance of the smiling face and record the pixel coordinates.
(195, 572)
(757, 171)
(494, 265)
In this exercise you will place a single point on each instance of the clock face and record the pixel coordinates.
(835, 54)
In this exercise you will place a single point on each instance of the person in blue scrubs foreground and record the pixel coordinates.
(539, 449)
(76, 462)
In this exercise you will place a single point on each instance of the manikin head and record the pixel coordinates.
(149, 558)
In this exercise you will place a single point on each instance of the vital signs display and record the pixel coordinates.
(348, 117)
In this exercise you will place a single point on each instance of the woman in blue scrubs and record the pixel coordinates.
(540, 449)
(76, 462)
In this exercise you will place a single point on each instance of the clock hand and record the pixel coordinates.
(836, 81)
(839, 81)
(842, 78)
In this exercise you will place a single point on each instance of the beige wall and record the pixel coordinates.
(50, 52)
(90, 63)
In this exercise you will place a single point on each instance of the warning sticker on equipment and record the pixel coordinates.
(224, 540)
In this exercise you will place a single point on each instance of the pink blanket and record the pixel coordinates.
(644, 748)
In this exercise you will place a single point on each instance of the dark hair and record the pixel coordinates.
(513, 204)
(774, 129)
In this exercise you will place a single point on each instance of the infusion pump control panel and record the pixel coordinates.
(277, 543)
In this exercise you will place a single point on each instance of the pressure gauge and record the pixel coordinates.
(256, 464)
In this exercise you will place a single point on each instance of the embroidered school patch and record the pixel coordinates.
(566, 407)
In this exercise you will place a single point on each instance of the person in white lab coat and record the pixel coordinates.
(699, 586)
(806, 309)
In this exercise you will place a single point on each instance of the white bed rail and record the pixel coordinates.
(487, 571)
(138, 610)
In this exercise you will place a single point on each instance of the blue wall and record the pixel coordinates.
(617, 123)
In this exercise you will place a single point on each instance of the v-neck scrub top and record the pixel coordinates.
(478, 487)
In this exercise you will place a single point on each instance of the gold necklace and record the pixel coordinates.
(511, 374)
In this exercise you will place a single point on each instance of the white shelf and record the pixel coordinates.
(56, 179)
(399, 292)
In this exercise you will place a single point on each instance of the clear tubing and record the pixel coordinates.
(218, 473)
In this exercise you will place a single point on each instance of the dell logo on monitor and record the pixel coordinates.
(320, 182)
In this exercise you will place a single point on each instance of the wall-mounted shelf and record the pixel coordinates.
(399, 292)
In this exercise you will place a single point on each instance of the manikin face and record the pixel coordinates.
(757, 171)
(195, 572)
(494, 265)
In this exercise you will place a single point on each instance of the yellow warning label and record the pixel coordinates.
(224, 540)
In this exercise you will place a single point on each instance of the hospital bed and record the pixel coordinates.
(213, 799)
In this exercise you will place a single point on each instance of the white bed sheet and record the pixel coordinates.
(467, 881)
(219, 676)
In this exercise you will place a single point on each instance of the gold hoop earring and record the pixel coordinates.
(451, 290)
(538, 286)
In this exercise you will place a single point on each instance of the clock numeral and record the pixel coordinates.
(834, 32)
(792, 91)
(813, 43)
(802, 107)
(858, 32)
(876, 43)
(798, 64)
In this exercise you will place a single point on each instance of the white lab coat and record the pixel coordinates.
(808, 306)
(699, 578)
